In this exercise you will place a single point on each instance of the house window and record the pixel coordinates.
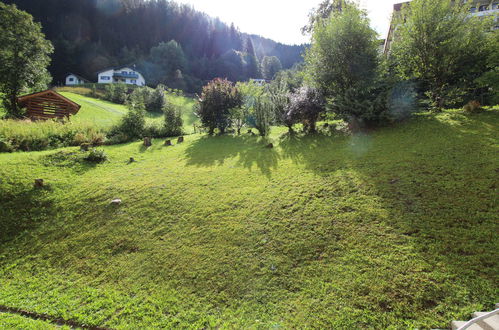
(495, 5)
(134, 81)
(473, 9)
(483, 8)
(105, 78)
(71, 79)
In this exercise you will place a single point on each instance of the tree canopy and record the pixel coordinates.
(439, 44)
(24, 56)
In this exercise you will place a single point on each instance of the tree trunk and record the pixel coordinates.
(14, 108)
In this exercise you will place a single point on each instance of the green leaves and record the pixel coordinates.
(440, 44)
(24, 56)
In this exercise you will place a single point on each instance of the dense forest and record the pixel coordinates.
(168, 42)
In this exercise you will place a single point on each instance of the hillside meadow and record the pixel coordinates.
(393, 228)
(90, 125)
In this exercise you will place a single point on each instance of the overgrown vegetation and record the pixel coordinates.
(445, 49)
(29, 136)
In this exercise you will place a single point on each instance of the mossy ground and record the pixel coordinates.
(395, 228)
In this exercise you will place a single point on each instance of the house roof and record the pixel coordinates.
(79, 77)
(117, 68)
(24, 98)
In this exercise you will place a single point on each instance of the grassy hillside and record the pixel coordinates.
(392, 229)
(12, 321)
(98, 112)
(105, 114)
(89, 125)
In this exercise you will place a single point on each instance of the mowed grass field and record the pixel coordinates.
(396, 228)
(105, 114)
(13, 321)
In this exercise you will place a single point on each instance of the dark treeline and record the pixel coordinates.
(89, 35)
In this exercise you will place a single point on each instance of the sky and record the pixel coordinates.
(281, 20)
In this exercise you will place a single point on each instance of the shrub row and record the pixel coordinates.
(32, 136)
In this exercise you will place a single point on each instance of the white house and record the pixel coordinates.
(260, 82)
(124, 75)
(73, 79)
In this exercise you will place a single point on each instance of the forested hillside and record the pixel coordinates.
(90, 35)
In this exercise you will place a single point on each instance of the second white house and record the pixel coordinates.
(124, 75)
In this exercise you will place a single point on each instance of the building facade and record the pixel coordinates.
(73, 79)
(124, 75)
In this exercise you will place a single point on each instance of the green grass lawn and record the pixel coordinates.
(99, 112)
(105, 114)
(396, 228)
(12, 321)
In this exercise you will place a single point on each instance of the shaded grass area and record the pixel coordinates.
(394, 228)
(13, 321)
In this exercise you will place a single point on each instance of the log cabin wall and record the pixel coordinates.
(48, 105)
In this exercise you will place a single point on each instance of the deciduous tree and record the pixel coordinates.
(24, 56)
(441, 45)
(217, 99)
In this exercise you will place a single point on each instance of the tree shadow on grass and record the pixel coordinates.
(23, 208)
(215, 150)
(436, 176)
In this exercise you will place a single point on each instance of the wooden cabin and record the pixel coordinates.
(47, 105)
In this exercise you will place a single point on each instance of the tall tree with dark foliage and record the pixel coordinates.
(24, 56)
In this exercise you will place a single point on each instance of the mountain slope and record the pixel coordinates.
(95, 34)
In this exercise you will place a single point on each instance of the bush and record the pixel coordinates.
(473, 107)
(117, 93)
(26, 135)
(306, 104)
(133, 122)
(5, 146)
(154, 129)
(173, 120)
(218, 97)
(262, 115)
(157, 100)
(96, 156)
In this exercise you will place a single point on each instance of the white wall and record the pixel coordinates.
(109, 73)
(105, 74)
(75, 80)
